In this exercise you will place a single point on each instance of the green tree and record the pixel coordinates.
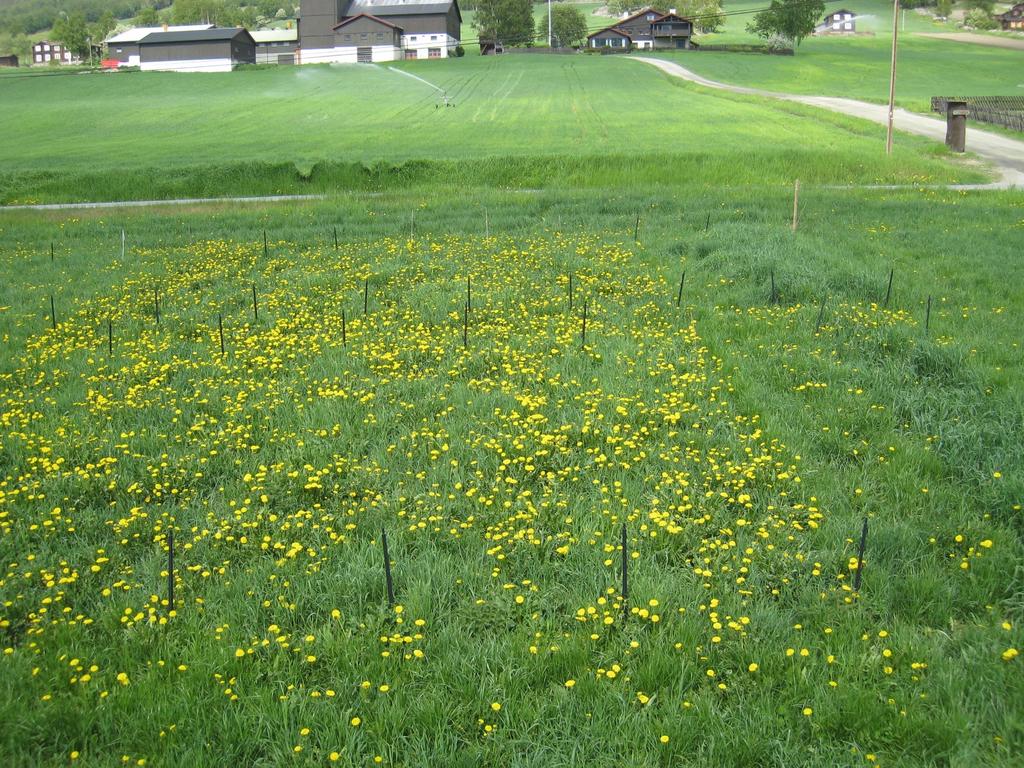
(568, 26)
(103, 27)
(197, 11)
(510, 21)
(705, 14)
(148, 17)
(791, 20)
(72, 32)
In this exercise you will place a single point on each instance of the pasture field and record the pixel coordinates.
(741, 442)
(531, 121)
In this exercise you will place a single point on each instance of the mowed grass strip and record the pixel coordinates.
(130, 131)
(503, 471)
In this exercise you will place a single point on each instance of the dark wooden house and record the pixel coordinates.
(9, 61)
(648, 29)
(124, 46)
(219, 49)
(1013, 18)
(47, 52)
(841, 22)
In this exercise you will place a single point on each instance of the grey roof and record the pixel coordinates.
(137, 33)
(196, 36)
(399, 7)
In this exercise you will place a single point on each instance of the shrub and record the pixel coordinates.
(979, 19)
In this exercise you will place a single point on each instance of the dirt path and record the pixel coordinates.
(1005, 154)
(967, 37)
(149, 203)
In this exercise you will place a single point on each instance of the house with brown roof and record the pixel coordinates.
(648, 29)
(1013, 18)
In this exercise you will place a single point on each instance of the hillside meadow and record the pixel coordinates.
(529, 121)
(412, 363)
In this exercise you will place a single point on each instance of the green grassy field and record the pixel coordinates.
(528, 121)
(740, 444)
(858, 66)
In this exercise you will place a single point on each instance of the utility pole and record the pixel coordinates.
(892, 76)
(549, 23)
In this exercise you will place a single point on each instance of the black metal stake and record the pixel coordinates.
(220, 329)
(53, 313)
(636, 228)
(860, 556)
(51, 251)
(928, 314)
(366, 294)
(679, 298)
(170, 571)
(821, 316)
(266, 248)
(469, 294)
(707, 223)
(387, 569)
(255, 306)
(625, 575)
(888, 290)
(335, 238)
(156, 303)
(344, 339)
(583, 335)
(465, 325)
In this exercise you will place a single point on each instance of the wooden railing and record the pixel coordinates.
(1005, 111)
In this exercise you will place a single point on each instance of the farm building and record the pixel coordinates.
(1013, 18)
(9, 61)
(46, 52)
(841, 22)
(377, 30)
(217, 49)
(276, 46)
(649, 28)
(124, 46)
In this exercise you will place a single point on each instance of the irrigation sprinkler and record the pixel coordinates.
(220, 329)
(860, 556)
(796, 203)
(682, 280)
(255, 305)
(387, 569)
(170, 571)
(583, 334)
(53, 313)
(625, 575)
(821, 316)
(928, 314)
(888, 289)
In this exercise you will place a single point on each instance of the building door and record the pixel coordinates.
(364, 55)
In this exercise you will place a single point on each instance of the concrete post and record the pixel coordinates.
(956, 125)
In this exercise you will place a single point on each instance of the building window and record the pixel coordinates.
(412, 54)
(380, 35)
(433, 37)
(46, 47)
(39, 57)
(364, 36)
(348, 37)
(433, 53)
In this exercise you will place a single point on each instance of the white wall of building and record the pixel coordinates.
(422, 43)
(347, 54)
(193, 65)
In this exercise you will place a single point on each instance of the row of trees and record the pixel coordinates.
(26, 17)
